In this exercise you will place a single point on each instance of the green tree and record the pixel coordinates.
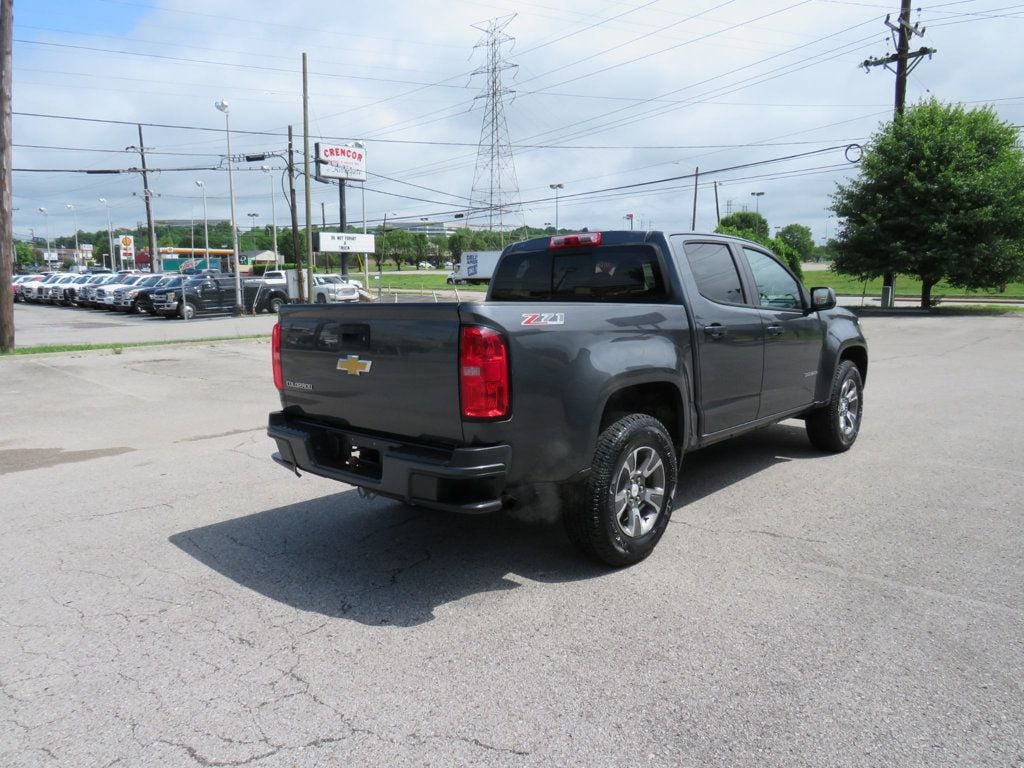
(456, 245)
(420, 248)
(940, 195)
(439, 247)
(778, 246)
(799, 238)
(746, 221)
(24, 255)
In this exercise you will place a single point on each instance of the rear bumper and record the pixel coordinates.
(466, 480)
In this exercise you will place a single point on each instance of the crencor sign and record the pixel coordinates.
(340, 161)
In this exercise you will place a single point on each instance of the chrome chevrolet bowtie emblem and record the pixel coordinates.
(353, 366)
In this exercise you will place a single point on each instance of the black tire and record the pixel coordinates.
(276, 303)
(835, 427)
(626, 504)
(321, 298)
(187, 310)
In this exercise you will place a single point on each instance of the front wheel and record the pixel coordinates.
(321, 298)
(627, 502)
(187, 310)
(835, 427)
(275, 304)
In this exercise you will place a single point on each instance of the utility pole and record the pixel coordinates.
(6, 158)
(293, 205)
(309, 193)
(905, 62)
(154, 251)
(342, 224)
(693, 222)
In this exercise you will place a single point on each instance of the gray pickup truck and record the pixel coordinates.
(595, 363)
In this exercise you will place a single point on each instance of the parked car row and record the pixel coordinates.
(119, 291)
(170, 295)
(173, 295)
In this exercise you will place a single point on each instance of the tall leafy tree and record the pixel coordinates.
(457, 244)
(940, 195)
(778, 245)
(746, 221)
(799, 238)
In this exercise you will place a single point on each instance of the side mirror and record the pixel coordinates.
(822, 299)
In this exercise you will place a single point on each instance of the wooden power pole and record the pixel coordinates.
(6, 185)
(905, 61)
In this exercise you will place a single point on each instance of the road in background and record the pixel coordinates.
(172, 597)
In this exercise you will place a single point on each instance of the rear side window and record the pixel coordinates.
(628, 274)
(715, 272)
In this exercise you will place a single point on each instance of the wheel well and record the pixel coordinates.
(859, 357)
(658, 399)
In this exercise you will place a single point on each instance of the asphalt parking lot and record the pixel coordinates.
(171, 597)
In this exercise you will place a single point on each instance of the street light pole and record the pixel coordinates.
(206, 225)
(74, 218)
(110, 232)
(757, 200)
(273, 214)
(222, 105)
(252, 228)
(556, 187)
(46, 218)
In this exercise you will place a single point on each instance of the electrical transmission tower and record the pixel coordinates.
(495, 191)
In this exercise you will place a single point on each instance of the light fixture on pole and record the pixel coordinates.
(273, 214)
(222, 105)
(757, 200)
(74, 217)
(46, 218)
(556, 187)
(206, 225)
(110, 232)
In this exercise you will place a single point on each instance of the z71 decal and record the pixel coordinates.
(544, 318)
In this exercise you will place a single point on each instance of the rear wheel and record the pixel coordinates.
(836, 426)
(321, 298)
(627, 501)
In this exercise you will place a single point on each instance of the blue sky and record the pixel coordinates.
(606, 97)
(39, 19)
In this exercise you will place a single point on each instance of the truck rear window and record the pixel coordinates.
(627, 274)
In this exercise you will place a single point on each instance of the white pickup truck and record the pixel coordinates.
(331, 289)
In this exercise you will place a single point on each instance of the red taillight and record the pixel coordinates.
(575, 241)
(483, 373)
(275, 356)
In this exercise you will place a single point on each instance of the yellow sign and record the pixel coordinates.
(127, 243)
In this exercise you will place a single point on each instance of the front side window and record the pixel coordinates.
(715, 272)
(775, 286)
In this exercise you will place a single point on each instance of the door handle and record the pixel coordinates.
(774, 330)
(715, 330)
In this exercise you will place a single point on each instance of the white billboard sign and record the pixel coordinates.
(342, 242)
(340, 161)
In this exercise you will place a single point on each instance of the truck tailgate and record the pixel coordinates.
(389, 368)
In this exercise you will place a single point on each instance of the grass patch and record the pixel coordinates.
(847, 285)
(975, 309)
(416, 281)
(118, 347)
